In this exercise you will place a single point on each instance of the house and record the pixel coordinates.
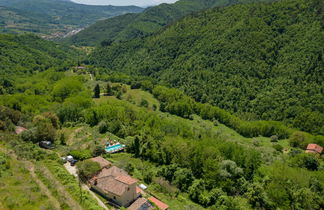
(314, 148)
(141, 204)
(115, 185)
(102, 162)
(158, 203)
(19, 129)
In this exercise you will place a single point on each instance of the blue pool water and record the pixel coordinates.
(115, 147)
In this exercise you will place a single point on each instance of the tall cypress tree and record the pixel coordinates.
(109, 89)
(96, 91)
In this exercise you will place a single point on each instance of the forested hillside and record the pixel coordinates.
(26, 54)
(125, 27)
(204, 158)
(53, 16)
(260, 61)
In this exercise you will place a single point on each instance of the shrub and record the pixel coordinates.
(274, 138)
(81, 154)
(144, 103)
(298, 139)
(256, 142)
(305, 160)
(103, 127)
(87, 168)
(99, 150)
(53, 119)
(278, 147)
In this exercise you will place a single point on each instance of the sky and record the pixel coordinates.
(141, 3)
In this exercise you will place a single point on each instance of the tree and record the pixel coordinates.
(130, 168)
(62, 139)
(278, 147)
(305, 160)
(87, 168)
(42, 130)
(274, 138)
(96, 91)
(103, 127)
(65, 88)
(196, 189)
(183, 178)
(99, 150)
(53, 118)
(144, 103)
(298, 139)
(81, 154)
(109, 89)
(136, 146)
(257, 196)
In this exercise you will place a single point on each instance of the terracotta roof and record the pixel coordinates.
(314, 148)
(102, 162)
(110, 184)
(140, 204)
(19, 129)
(158, 203)
(126, 179)
(113, 180)
(139, 190)
(112, 171)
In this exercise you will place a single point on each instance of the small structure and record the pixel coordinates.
(142, 186)
(115, 185)
(141, 204)
(102, 162)
(19, 130)
(46, 145)
(158, 203)
(314, 148)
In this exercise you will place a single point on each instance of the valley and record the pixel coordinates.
(193, 105)
(53, 19)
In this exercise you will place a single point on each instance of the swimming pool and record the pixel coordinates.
(115, 148)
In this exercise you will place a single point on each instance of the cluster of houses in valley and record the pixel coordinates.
(120, 189)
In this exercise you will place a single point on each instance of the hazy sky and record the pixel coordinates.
(124, 2)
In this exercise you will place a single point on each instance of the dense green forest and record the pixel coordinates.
(126, 27)
(259, 61)
(191, 160)
(185, 158)
(50, 16)
(26, 54)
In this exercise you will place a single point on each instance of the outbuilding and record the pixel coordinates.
(314, 148)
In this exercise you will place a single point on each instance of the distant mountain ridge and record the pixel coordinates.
(126, 27)
(54, 16)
